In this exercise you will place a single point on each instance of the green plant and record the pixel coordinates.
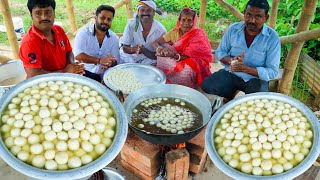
(300, 89)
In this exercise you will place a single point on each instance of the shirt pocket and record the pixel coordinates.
(258, 58)
(236, 51)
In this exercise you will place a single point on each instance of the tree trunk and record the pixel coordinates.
(230, 8)
(202, 14)
(12, 37)
(72, 19)
(119, 4)
(274, 12)
(291, 62)
(129, 9)
(302, 36)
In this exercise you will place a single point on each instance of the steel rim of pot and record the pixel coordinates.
(83, 171)
(292, 173)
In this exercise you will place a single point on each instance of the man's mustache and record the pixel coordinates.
(105, 25)
(146, 15)
(252, 24)
(45, 21)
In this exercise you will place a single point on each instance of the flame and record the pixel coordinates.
(182, 145)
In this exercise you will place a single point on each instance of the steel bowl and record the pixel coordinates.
(294, 172)
(170, 91)
(77, 173)
(11, 69)
(146, 74)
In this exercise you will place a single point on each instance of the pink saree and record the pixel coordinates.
(191, 71)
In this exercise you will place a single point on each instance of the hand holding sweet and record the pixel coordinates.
(75, 68)
(237, 64)
(107, 61)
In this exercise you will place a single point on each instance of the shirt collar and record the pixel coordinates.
(240, 27)
(37, 32)
(153, 26)
(92, 30)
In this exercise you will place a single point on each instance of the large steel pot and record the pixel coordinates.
(296, 171)
(81, 172)
(13, 70)
(171, 91)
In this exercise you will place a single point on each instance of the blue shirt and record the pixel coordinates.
(263, 54)
(87, 42)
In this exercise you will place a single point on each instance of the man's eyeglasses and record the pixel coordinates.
(248, 16)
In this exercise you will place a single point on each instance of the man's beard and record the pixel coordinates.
(104, 29)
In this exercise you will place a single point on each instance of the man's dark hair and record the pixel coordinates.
(262, 4)
(105, 7)
(41, 4)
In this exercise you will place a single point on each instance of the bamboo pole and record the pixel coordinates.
(119, 4)
(302, 36)
(291, 62)
(129, 9)
(202, 19)
(274, 13)
(72, 19)
(12, 37)
(230, 8)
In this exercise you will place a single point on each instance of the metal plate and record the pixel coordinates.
(292, 173)
(83, 171)
(146, 74)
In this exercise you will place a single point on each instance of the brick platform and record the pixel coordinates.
(141, 156)
(177, 164)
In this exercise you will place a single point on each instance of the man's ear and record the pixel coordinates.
(267, 17)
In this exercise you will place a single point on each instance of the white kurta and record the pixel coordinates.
(132, 38)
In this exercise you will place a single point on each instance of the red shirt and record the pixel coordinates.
(37, 51)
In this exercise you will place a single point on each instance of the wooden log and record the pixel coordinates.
(12, 37)
(129, 9)
(202, 19)
(4, 59)
(291, 62)
(302, 36)
(274, 13)
(72, 19)
(230, 8)
(119, 4)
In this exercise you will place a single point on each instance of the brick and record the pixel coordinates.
(199, 139)
(197, 162)
(194, 149)
(136, 172)
(150, 171)
(177, 164)
(142, 151)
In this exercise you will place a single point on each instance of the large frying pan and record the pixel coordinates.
(171, 91)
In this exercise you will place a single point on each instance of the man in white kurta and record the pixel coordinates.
(96, 45)
(139, 34)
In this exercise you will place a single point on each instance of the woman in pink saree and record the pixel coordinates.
(184, 53)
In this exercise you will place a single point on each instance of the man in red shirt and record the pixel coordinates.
(46, 48)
